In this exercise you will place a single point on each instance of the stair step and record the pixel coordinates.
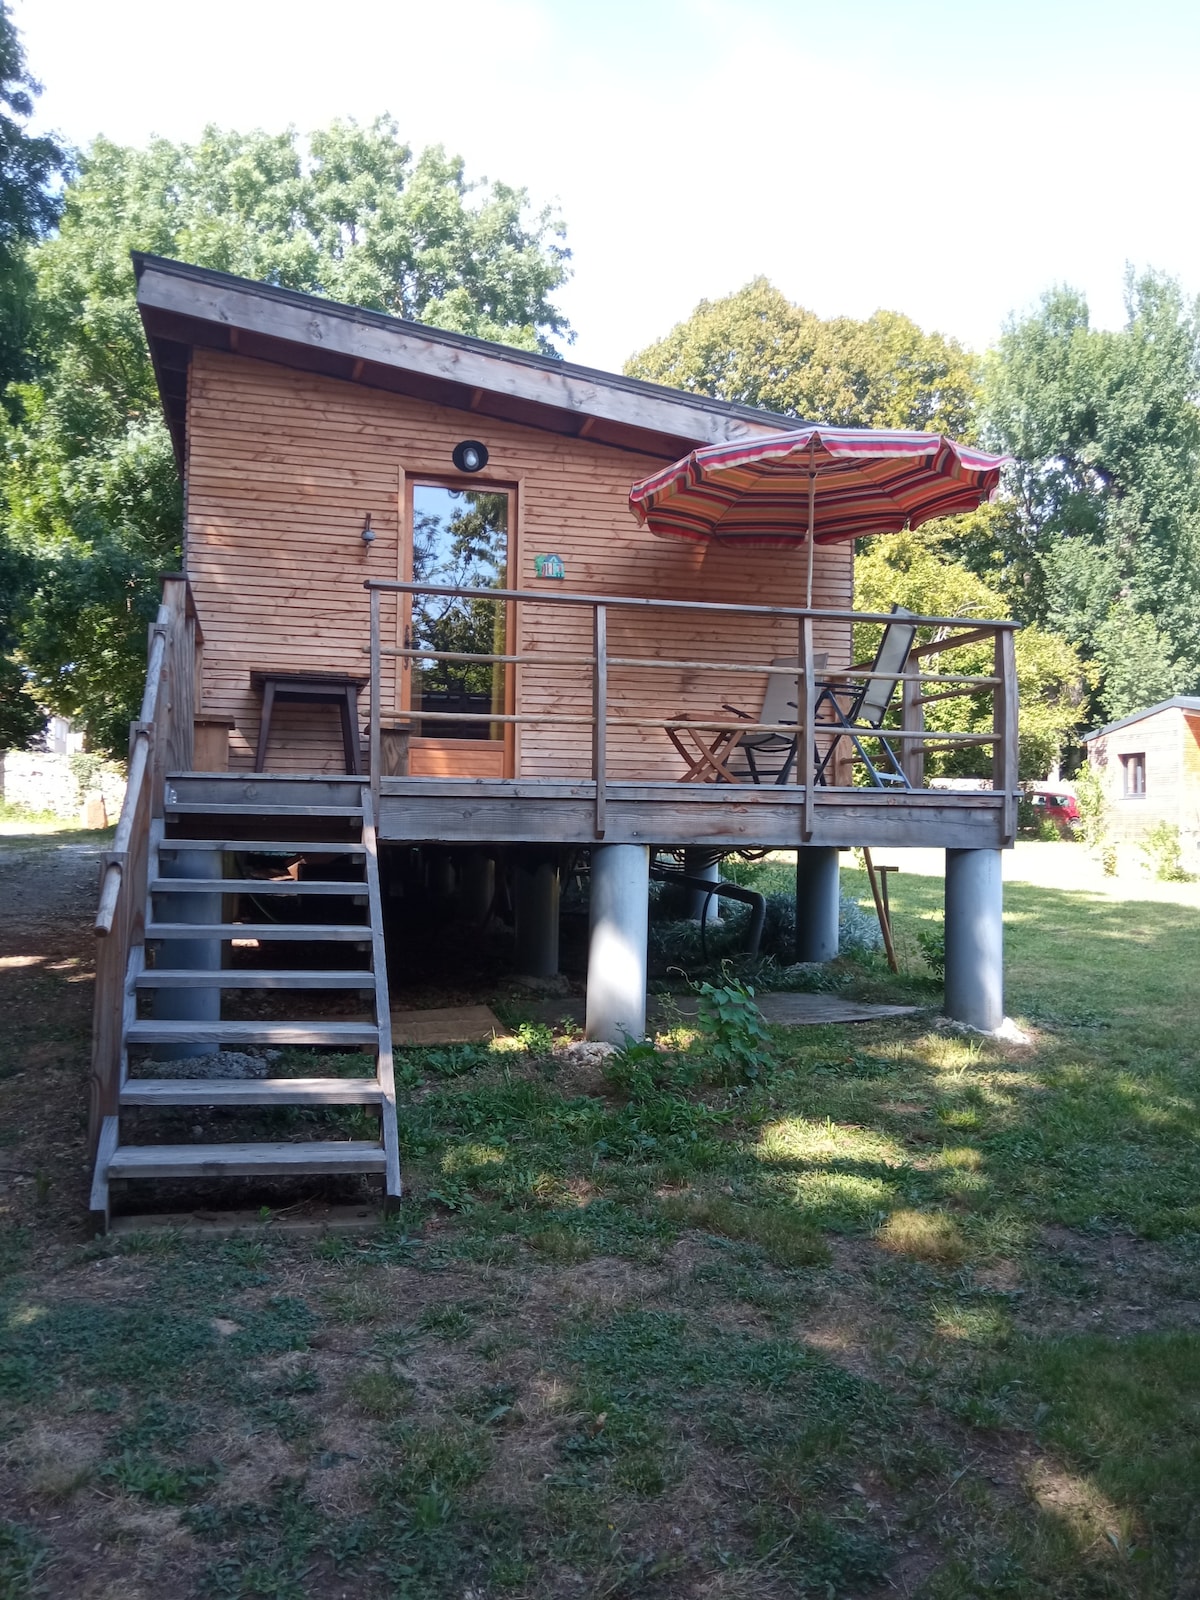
(267, 847)
(207, 808)
(151, 1031)
(353, 780)
(248, 978)
(337, 933)
(293, 886)
(251, 1092)
(244, 1160)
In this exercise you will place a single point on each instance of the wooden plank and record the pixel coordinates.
(456, 758)
(600, 716)
(446, 1025)
(152, 1031)
(977, 635)
(206, 808)
(245, 1160)
(912, 754)
(806, 694)
(375, 736)
(1006, 752)
(290, 887)
(737, 609)
(297, 932)
(265, 847)
(250, 978)
(717, 795)
(106, 1148)
(767, 824)
(384, 1064)
(392, 343)
(251, 1092)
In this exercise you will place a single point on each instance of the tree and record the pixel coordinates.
(756, 348)
(1102, 538)
(908, 569)
(88, 492)
(29, 202)
(28, 209)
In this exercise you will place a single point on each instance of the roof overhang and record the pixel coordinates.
(185, 307)
(1188, 704)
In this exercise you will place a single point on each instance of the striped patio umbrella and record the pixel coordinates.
(815, 485)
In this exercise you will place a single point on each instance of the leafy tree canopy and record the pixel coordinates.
(29, 206)
(1102, 539)
(89, 499)
(909, 569)
(758, 349)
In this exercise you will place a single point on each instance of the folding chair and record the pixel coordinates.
(769, 757)
(862, 716)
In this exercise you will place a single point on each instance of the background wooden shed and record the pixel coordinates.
(1149, 766)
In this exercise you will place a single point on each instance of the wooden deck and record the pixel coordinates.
(465, 811)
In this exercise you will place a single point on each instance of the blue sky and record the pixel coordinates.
(948, 161)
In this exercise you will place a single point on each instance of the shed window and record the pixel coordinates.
(1133, 770)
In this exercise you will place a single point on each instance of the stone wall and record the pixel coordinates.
(67, 786)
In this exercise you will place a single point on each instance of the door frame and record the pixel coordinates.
(412, 473)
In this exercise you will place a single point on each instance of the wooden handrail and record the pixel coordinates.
(159, 740)
(624, 601)
(919, 687)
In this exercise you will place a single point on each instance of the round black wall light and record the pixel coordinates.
(470, 456)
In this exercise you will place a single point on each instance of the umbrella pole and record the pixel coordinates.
(812, 497)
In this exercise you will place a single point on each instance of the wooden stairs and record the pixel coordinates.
(218, 817)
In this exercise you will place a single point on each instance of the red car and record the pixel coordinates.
(1055, 805)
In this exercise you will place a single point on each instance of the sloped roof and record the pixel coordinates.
(1180, 702)
(183, 307)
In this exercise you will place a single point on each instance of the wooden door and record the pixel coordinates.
(457, 533)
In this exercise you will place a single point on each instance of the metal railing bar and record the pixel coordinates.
(526, 659)
(537, 597)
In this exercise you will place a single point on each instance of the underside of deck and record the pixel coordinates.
(482, 811)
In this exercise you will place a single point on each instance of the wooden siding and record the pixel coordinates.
(284, 466)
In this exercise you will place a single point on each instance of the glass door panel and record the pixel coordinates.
(459, 538)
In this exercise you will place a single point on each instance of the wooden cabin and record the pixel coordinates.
(416, 609)
(1149, 767)
(300, 424)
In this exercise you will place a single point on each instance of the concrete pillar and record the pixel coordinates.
(440, 876)
(476, 886)
(616, 975)
(535, 902)
(188, 955)
(698, 863)
(975, 938)
(818, 903)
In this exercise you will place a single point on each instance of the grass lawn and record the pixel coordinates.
(906, 1312)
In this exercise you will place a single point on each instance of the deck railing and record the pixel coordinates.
(160, 741)
(919, 687)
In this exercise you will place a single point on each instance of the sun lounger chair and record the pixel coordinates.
(857, 713)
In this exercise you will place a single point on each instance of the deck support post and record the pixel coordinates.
(818, 902)
(975, 938)
(188, 955)
(616, 975)
(700, 863)
(535, 902)
(476, 887)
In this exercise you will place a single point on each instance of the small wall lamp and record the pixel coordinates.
(368, 533)
(470, 456)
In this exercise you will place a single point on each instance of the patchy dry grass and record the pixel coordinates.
(924, 1236)
(908, 1313)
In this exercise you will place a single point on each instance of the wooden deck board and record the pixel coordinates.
(789, 1010)
(446, 1025)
